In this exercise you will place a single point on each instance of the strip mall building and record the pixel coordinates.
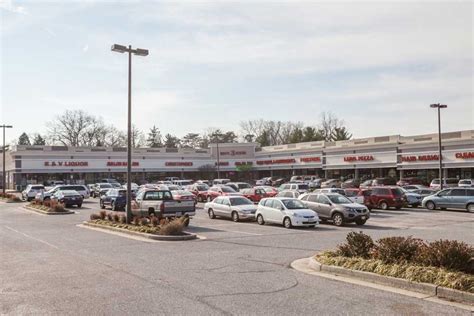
(393, 156)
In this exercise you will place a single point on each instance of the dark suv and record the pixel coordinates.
(386, 197)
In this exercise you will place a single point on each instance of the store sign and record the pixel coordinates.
(310, 159)
(178, 164)
(232, 153)
(358, 158)
(465, 155)
(420, 158)
(243, 163)
(66, 163)
(276, 161)
(222, 163)
(121, 164)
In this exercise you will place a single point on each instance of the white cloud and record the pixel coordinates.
(85, 48)
(10, 6)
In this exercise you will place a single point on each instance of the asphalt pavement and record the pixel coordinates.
(51, 266)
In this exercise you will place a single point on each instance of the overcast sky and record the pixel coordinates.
(377, 66)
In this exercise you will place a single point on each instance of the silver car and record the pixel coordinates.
(331, 183)
(336, 207)
(288, 193)
(458, 198)
(235, 207)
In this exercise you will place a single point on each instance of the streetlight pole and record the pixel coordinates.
(3, 153)
(439, 107)
(140, 52)
(216, 136)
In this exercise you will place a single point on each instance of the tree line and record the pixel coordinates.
(78, 128)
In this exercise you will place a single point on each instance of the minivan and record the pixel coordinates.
(459, 198)
(447, 183)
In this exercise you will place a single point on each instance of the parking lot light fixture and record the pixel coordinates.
(3, 154)
(216, 137)
(140, 52)
(439, 107)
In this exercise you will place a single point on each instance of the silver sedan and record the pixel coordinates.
(235, 207)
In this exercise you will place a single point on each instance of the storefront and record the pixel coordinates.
(388, 156)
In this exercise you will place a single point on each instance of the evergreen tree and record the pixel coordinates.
(340, 133)
(154, 138)
(24, 139)
(171, 141)
(38, 140)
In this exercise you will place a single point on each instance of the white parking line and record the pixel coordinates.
(31, 237)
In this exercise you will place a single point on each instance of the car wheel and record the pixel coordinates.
(430, 205)
(287, 222)
(260, 219)
(398, 208)
(211, 214)
(79, 205)
(383, 205)
(337, 219)
(235, 216)
(470, 208)
(312, 226)
(360, 222)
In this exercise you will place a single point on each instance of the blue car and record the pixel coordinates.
(115, 198)
(457, 198)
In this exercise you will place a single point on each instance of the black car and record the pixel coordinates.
(115, 198)
(68, 198)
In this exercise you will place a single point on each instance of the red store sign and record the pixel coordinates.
(121, 164)
(178, 164)
(66, 163)
(310, 159)
(276, 161)
(465, 155)
(420, 158)
(358, 158)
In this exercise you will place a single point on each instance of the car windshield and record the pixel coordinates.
(398, 191)
(268, 190)
(350, 193)
(69, 193)
(227, 189)
(435, 181)
(338, 199)
(105, 185)
(202, 187)
(240, 201)
(303, 187)
(243, 185)
(293, 204)
(465, 182)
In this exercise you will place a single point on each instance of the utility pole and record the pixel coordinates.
(3, 153)
(439, 107)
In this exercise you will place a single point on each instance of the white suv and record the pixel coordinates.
(31, 190)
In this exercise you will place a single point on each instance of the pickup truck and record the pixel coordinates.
(162, 204)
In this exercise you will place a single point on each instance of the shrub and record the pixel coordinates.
(174, 227)
(116, 218)
(358, 245)
(185, 220)
(14, 199)
(143, 221)
(136, 220)
(448, 254)
(47, 203)
(154, 221)
(102, 214)
(122, 219)
(397, 249)
(95, 216)
(110, 216)
(58, 208)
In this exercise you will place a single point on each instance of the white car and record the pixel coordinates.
(235, 207)
(81, 189)
(466, 183)
(286, 211)
(31, 190)
(288, 194)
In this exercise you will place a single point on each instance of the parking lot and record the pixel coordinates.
(51, 266)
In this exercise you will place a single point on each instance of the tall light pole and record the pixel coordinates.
(140, 52)
(439, 107)
(216, 137)
(3, 153)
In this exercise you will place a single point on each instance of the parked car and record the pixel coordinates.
(411, 187)
(31, 190)
(367, 184)
(237, 186)
(337, 208)
(354, 195)
(115, 198)
(171, 179)
(331, 183)
(278, 181)
(457, 198)
(270, 191)
(386, 197)
(207, 182)
(423, 192)
(316, 183)
(235, 207)
(447, 183)
(183, 183)
(220, 181)
(466, 183)
(199, 190)
(384, 181)
(101, 188)
(161, 203)
(300, 187)
(133, 186)
(216, 191)
(264, 181)
(350, 183)
(331, 190)
(255, 194)
(80, 189)
(409, 181)
(287, 211)
(413, 199)
(109, 180)
(67, 197)
(288, 194)
(183, 195)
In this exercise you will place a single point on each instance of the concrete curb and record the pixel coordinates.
(48, 213)
(425, 288)
(188, 236)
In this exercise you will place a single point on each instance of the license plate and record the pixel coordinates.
(363, 217)
(179, 213)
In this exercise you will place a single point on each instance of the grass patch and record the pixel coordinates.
(408, 271)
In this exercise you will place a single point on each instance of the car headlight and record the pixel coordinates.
(297, 215)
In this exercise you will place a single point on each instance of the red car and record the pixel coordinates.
(216, 191)
(270, 191)
(199, 190)
(255, 194)
(386, 197)
(183, 195)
